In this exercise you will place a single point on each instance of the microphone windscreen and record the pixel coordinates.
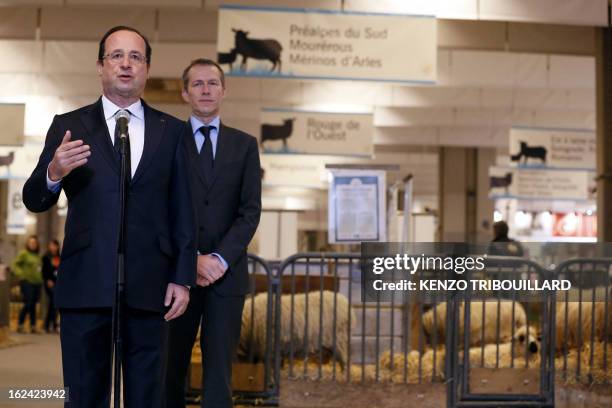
(123, 114)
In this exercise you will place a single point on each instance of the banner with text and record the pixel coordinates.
(553, 148)
(307, 132)
(357, 206)
(324, 44)
(541, 184)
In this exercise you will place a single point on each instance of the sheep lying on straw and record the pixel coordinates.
(523, 351)
(489, 319)
(432, 362)
(599, 372)
(293, 336)
(581, 319)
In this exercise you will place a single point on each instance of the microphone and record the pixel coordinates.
(122, 118)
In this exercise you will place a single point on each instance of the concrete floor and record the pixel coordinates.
(35, 364)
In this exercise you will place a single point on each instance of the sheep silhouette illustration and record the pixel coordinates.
(227, 58)
(7, 161)
(500, 182)
(266, 49)
(277, 132)
(526, 152)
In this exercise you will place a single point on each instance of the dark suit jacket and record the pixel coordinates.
(228, 209)
(160, 233)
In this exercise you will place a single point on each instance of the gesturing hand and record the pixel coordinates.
(68, 156)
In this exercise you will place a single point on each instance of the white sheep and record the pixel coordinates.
(477, 319)
(292, 337)
(527, 349)
(580, 323)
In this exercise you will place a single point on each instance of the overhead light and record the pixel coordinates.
(497, 216)
(522, 219)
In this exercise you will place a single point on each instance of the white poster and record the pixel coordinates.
(307, 132)
(325, 44)
(357, 206)
(541, 184)
(16, 211)
(552, 148)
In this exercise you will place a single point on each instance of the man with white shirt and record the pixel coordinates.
(81, 157)
(226, 188)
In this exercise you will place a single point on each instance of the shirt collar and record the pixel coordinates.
(196, 123)
(136, 109)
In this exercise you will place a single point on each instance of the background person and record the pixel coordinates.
(50, 265)
(26, 267)
(502, 244)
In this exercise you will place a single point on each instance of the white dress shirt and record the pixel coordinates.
(136, 132)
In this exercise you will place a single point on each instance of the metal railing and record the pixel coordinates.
(502, 350)
(306, 318)
(583, 321)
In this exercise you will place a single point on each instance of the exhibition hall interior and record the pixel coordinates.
(381, 127)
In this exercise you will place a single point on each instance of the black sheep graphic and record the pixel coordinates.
(227, 58)
(277, 132)
(7, 161)
(267, 49)
(500, 182)
(536, 152)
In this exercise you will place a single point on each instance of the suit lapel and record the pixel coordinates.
(95, 124)
(154, 130)
(194, 156)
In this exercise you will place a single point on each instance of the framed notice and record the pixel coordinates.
(357, 206)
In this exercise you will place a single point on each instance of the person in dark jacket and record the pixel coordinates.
(502, 244)
(225, 181)
(82, 157)
(50, 264)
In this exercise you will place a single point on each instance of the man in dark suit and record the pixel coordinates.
(80, 157)
(226, 188)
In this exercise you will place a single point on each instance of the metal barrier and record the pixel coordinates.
(504, 356)
(254, 350)
(328, 333)
(309, 282)
(305, 319)
(584, 321)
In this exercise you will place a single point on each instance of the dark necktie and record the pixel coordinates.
(206, 152)
(117, 146)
